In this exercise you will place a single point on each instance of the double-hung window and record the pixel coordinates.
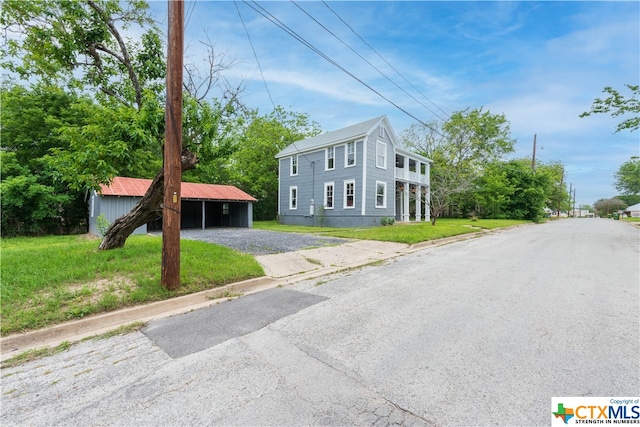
(381, 194)
(349, 194)
(293, 197)
(294, 165)
(381, 155)
(330, 158)
(328, 195)
(350, 154)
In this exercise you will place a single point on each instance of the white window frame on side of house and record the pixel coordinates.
(381, 154)
(293, 169)
(332, 158)
(384, 194)
(381, 131)
(293, 198)
(346, 154)
(329, 198)
(346, 194)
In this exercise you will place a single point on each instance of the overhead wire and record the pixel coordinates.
(266, 14)
(255, 55)
(366, 60)
(264, 81)
(387, 62)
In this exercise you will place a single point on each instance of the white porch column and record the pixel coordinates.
(427, 204)
(418, 203)
(405, 203)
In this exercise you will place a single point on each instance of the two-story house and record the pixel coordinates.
(352, 177)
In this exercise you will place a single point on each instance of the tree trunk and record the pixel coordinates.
(146, 210)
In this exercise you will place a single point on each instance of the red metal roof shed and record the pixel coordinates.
(137, 187)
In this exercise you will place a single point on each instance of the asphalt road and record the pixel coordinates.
(480, 332)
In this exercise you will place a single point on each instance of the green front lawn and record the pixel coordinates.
(409, 233)
(48, 280)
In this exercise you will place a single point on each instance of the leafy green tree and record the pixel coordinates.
(81, 45)
(31, 122)
(254, 168)
(618, 105)
(606, 207)
(459, 148)
(512, 190)
(630, 199)
(628, 177)
(557, 196)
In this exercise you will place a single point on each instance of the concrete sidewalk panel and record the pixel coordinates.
(285, 264)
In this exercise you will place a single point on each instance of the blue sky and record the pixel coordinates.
(540, 64)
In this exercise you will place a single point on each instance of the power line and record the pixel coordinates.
(388, 63)
(295, 35)
(366, 60)
(255, 55)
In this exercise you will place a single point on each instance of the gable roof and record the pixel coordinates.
(334, 137)
(137, 187)
(634, 208)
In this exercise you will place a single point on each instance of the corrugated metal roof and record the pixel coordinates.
(137, 187)
(328, 138)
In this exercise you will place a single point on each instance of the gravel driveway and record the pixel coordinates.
(260, 242)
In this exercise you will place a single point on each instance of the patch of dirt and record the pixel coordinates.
(89, 292)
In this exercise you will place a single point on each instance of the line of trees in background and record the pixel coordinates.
(90, 106)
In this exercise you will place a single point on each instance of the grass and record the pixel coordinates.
(409, 233)
(48, 280)
(632, 219)
(38, 353)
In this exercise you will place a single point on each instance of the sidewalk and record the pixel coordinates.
(280, 269)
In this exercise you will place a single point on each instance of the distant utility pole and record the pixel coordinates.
(574, 202)
(570, 191)
(533, 158)
(173, 149)
(561, 193)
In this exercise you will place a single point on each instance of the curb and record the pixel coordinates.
(80, 329)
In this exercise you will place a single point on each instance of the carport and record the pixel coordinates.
(202, 205)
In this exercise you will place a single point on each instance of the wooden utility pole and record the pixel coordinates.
(533, 158)
(173, 149)
(561, 192)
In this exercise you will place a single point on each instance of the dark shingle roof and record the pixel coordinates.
(333, 137)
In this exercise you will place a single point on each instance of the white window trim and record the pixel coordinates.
(344, 200)
(326, 158)
(384, 199)
(291, 166)
(384, 166)
(346, 154)
(381, 131)
(291, 189)
(326, 185)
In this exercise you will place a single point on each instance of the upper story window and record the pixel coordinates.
(293, 198)
(294, 165)
(381, 131)
(330, 158)
(349, 194)
(381, 154)
(350, 154)
(328, 195)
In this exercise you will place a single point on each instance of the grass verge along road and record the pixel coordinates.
(53, 279)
